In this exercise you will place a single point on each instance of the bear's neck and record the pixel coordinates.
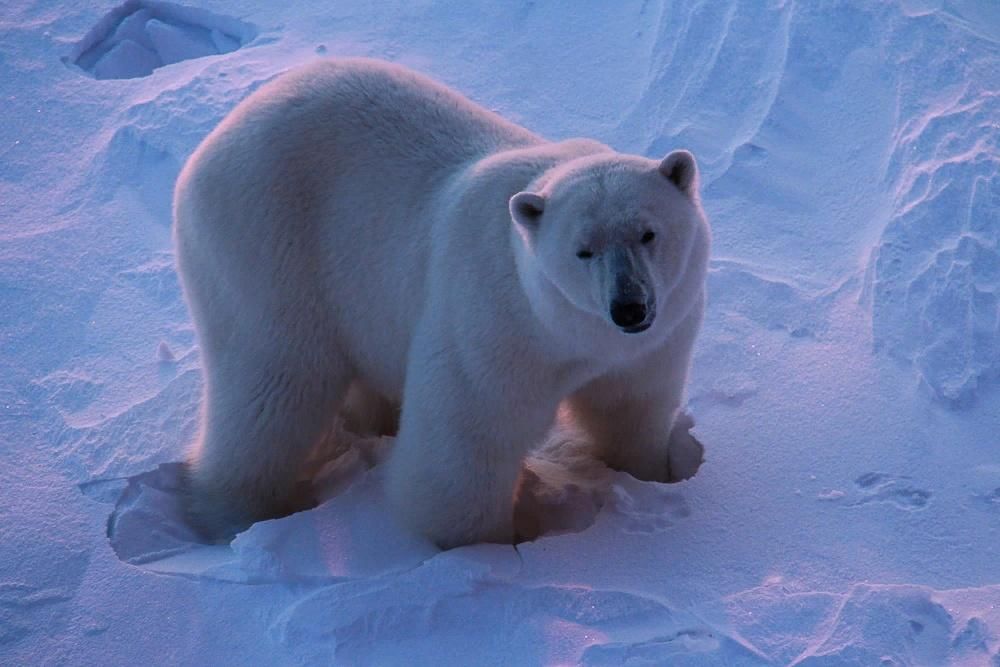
(565, 335)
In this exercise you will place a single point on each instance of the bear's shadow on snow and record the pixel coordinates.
(140, 36)
(349, 532)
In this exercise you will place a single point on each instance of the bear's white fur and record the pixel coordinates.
(356, 226)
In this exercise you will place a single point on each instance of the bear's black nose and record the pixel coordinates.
(628, 314)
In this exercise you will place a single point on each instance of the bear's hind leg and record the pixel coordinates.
(259, 428)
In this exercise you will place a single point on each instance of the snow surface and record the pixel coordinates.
(845, 384)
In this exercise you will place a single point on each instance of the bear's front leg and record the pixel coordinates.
(631, 432)
(640, 435)
(634, 417)
(456, 461)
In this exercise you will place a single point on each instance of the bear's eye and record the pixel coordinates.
(647, 237)
(585, 254)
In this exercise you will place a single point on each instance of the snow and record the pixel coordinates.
(138, 37)
(845, 384)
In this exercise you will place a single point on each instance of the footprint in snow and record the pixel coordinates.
(880, 487)
(648, 508)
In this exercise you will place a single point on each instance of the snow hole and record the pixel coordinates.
(141, 35)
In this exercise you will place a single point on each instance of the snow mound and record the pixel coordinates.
(936, 270)
(153, 137)
(143, 35)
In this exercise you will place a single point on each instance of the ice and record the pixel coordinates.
(126, 60)
(175, 44)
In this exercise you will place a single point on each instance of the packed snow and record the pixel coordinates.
(845, 383)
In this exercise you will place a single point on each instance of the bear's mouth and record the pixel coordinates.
(638, 328)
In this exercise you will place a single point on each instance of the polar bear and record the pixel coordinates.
(354, 226)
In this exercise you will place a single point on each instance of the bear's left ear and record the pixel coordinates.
(681, 169)
(526, 209)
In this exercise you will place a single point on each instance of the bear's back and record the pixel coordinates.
(332, 139)
(358, 106)
(414, 115)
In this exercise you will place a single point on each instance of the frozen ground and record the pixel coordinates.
(845, 384)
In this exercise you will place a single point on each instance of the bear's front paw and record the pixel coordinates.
(449, 523)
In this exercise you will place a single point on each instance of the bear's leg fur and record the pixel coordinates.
(634, 414)
(457, 459)
(263, 414)
(631, 430)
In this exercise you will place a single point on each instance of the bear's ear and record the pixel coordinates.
(526, 209)
(681, 169)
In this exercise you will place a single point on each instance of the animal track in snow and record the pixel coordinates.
(872, 479)
(648, 508)
(25, 609)
(983, 485)
(881, 487)
(989, 501)
(143, 35)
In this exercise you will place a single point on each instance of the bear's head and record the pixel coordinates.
(612, 235)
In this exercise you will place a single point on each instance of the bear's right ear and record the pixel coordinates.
(526, 209)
